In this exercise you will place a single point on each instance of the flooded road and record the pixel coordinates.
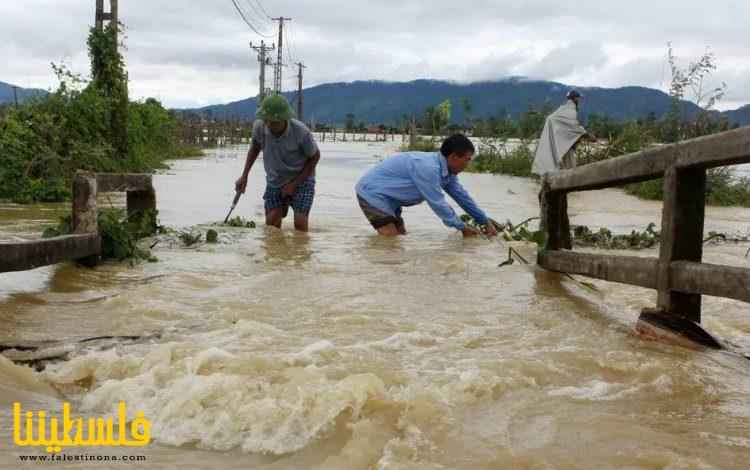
(340, 350)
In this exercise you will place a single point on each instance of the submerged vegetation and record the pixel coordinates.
(238, 221)
(120, 233)
(132, 237)
(581, 235)
(83, 125)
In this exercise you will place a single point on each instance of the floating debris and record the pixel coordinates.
(190, 238)
(238, 222)
(38, 354)
(603, 238)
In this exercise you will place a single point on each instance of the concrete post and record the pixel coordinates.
(84, 211)
(84, 203)
(141, 207)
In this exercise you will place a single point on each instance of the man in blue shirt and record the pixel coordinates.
(407, 179)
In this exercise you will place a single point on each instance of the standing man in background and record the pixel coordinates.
(562, 132)
(290, 156)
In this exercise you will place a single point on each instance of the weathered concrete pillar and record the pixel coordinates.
(141, 208)
(84, 203)
(554, 218)
(84, 211)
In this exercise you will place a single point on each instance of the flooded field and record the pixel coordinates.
(341, 350)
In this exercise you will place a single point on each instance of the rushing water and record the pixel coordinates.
(341, 350)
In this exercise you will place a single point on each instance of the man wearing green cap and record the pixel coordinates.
(290, 156)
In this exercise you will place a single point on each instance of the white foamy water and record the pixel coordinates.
(341, 350)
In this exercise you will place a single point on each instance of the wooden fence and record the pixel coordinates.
(678, 274)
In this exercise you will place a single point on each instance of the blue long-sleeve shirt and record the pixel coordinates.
(407, 179)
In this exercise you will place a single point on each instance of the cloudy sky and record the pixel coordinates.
(196, 52)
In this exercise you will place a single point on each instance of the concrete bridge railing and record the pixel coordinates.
(678, 274)
(84, 245)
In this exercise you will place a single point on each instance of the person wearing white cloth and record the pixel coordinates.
(562, 131)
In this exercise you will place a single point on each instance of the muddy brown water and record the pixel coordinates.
(341, 350)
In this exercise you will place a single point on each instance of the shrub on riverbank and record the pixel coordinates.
(491, 157)
(421, 144)
(120, 233)
(82, 126)
(499, 159)
(722, 189)
(44, 142)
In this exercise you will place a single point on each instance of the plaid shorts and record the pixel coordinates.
(377, 217)
(301, 201)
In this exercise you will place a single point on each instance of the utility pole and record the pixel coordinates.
(15, 95)
(279, 58)
(108, 78)
(299, 91)
(112, 16)
(263, 60)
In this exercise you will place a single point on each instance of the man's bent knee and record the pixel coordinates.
(389, 230)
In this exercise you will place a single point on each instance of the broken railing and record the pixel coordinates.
(84, 245)
(678, 274)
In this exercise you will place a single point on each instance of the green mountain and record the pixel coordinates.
(740, 115)
(7, 95)
(389, 102)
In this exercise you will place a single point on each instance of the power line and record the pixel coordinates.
(244, 18)
(288, 45)
(263, 18)
(260, 4)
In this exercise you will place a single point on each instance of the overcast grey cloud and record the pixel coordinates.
(196, 52)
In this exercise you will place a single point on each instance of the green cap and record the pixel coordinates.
(275, 108)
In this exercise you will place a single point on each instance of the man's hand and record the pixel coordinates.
(289, 189)
(470, 231)
(241, 185)
(490, 230)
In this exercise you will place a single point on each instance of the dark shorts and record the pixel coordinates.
(301, 201)
(378, 218)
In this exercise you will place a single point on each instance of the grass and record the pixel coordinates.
(421, 145)
(722, 189)
(186, 151)
(499, 160)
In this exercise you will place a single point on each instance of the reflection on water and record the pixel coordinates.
(279, 247)
(340, 349)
